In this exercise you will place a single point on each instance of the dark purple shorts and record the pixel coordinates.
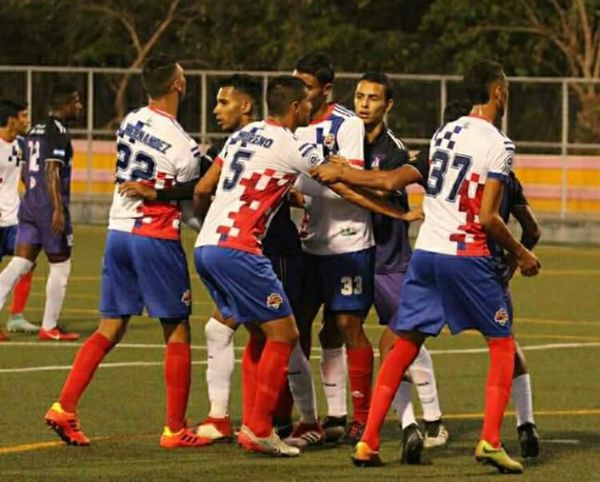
(388, 290)
(37, 232)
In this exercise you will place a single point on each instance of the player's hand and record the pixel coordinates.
(137, 189)
(415, 214)
(336, 159)
(58, 222)
(328, 173)
(528, 263)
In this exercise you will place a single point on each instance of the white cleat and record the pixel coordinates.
(18, 324)
(271, 445)
(436, 434)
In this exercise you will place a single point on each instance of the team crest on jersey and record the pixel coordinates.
(274, 301)
(186, 298)
(329, 141)
(501, 317)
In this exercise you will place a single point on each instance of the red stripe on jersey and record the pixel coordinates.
(471, 206)
(357, 162)
(218, 161)
(159, 220)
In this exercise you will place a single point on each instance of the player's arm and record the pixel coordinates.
(52, 173)
(496, 229)
(180, 192)
(205, 188)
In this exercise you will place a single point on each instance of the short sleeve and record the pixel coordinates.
(500, 159)
(305, 156)
(58, 143)
(188, 162)
(350, 141)
(421, 163)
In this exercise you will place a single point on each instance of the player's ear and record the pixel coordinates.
(390, 104)
(327, 89)
(247, 107)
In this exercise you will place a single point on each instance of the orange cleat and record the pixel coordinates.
(3, 336)
(56, 334)
(184, 438)
(219, 430)
(66, 425)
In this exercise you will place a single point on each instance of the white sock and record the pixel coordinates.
(423, 377)
(522, 398)
(302, 386)
(403, 406)
(11, 274)
(333, 376)
(56, 288)
(220, 364)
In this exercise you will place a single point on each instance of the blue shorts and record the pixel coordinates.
(388, 293)
(8, 237)
(341, 282)
(463, 292)
(38, 232)
(243, 285)
(289, 271)
(140, 272)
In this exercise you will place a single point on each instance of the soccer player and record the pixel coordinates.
(14, 122)
(373, 100)
(252, 175)
(451, 278)
(44, 219)
(144, 264)
(337, 240)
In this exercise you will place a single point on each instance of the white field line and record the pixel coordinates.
(552, 346)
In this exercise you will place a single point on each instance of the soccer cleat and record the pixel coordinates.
(335, 428)
(529, 440)
(412, 445)
(184, 438)
(18, 324)
(488, 455)
(306, 434)
(66, 425)
(353, 434)
(3, 336)
(56, 334)
(436, 434)
(365, 456)
(271, 445)
(219, 430)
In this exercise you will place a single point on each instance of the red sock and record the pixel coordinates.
(178, 368)
(271, 375)
(89, 356)
(250, 361)
(285, 403)
(21, 294)
(497, 387)
(360, 372)
(388, 380)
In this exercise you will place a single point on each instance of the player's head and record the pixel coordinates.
(238, 101)
(456, 109)
(486, 85)
(373, 97)
(65, 102)
(163, 76)
(317, 72)
(14, 116)
(287, 101)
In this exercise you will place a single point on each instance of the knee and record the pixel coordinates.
(217, 332)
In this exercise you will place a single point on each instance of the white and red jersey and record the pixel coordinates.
(260, 163)
(333, 225)
(152, 148)
(464, 154)
(11, 156)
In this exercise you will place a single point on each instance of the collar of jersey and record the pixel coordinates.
(160, 112)
(273, 122)
(479, 117)
(325, 115)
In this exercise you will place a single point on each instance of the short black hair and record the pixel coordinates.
(382, 79)
(457, 109)
(62, 94)
(10, 108)
(282, 91)
(478, 79)
(246, 84)
(317, 64)
(157, 74)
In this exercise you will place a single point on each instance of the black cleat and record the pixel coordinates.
(529, 440)
(335, 428)
(353, 434)
(412, 445)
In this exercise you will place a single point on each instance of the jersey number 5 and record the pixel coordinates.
(437, 173)
(236, 168)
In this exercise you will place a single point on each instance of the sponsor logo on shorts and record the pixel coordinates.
(274, 301)
(186, 298)
(348, 232)
(501, 317)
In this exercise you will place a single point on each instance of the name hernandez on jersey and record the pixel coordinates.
(260, 163)
(11, 156)
(154, 149)
(463, 154)
(331, 224)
